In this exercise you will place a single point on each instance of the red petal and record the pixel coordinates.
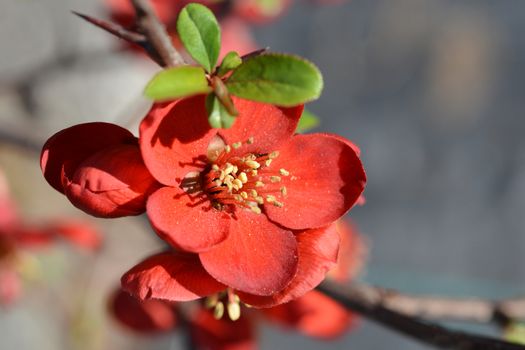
(174, 138)
(149, 316)
(258, 256)
(65, 150)
(184, 223)
(224, 334)
(112, 183)
(326, 179)
(317, 255)
(32, 236)
(80, 234)
(269, 126)
(313, 314)
(8, 214)
(352, 253)
(171, 276)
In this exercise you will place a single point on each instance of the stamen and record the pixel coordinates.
(275, 179)
(250, 140)
(284, 191)
(256, 210)
(268, 162)
(243, 177)
(259, 184)
(252, 164)
(234, 311)
(284, 172)
(218, 312)
(273, 155)
(278, 204)
(270, 198)
(237, 145)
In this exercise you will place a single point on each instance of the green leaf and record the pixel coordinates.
(177, 82)
(307, 122)
(200, 33)
(218, 116)
(279, 79)
(231, 61)
(515, 333)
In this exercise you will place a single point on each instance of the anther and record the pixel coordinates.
(252, 164)
(253, 193)
(237, 184)
(218, 312)
(250, 140)
(254, 172)
(256, 210)
(243, 177)
(278, 204)
(244, 195)
(228, 169)
(284, 172)
(273, 155)
(236, 145)
(270, 198)
(234, 311)
(259, 184)
(268, 162)
(275, 179)
(284, 191)
(215, 167)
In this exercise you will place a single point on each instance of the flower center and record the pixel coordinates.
(248, 180)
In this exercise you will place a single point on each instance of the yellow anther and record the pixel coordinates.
(215, 167)
(244, 195)
(273, 155)
(278, 204)
(243, 177)
(270, 198)
(252, 164)
(254, 172)
(268, 162)
(228, 169)
(259, 200)
(275, 179)
(227, 149)
(250, 140)
(259, 184)
(234, 311)
(218, 312)
(284, 172)
(237, 145)
(256, 210)
(253, 193)
(235, 169)
(211, 301)
(237, 197)
(222, 175)
(284, 191)
(237, 184)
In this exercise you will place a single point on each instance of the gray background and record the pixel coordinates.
(432, 91)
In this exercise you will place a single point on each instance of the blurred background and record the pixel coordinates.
(432, 92)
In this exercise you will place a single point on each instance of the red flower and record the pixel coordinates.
(98, 166)
(149, 316)
(245, 200)
(260, 12)
(16, 235)
(236, 35)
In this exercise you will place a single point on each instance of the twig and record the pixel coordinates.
(149, 24)
(370, 305)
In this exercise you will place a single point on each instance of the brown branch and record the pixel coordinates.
(369, 302)
(161, 45)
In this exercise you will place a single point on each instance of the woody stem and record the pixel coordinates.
(403, 314)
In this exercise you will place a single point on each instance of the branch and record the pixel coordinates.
(156, 34)
(369, 303)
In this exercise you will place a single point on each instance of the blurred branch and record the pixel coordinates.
(159, 41)
(402, 313)
(150, 34)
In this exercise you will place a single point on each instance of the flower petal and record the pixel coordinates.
(186, 223)
(10, 286)
(171, 276)
(353, 253)
(224, 334)
(174, 138)
(317, 250)
(112, 183)
(326, 179)
(65, 150)
(148, 316)
(258, 256)
(269, 126)
(313, 314)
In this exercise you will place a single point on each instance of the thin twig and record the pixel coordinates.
(161, 45)
(370, 306)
